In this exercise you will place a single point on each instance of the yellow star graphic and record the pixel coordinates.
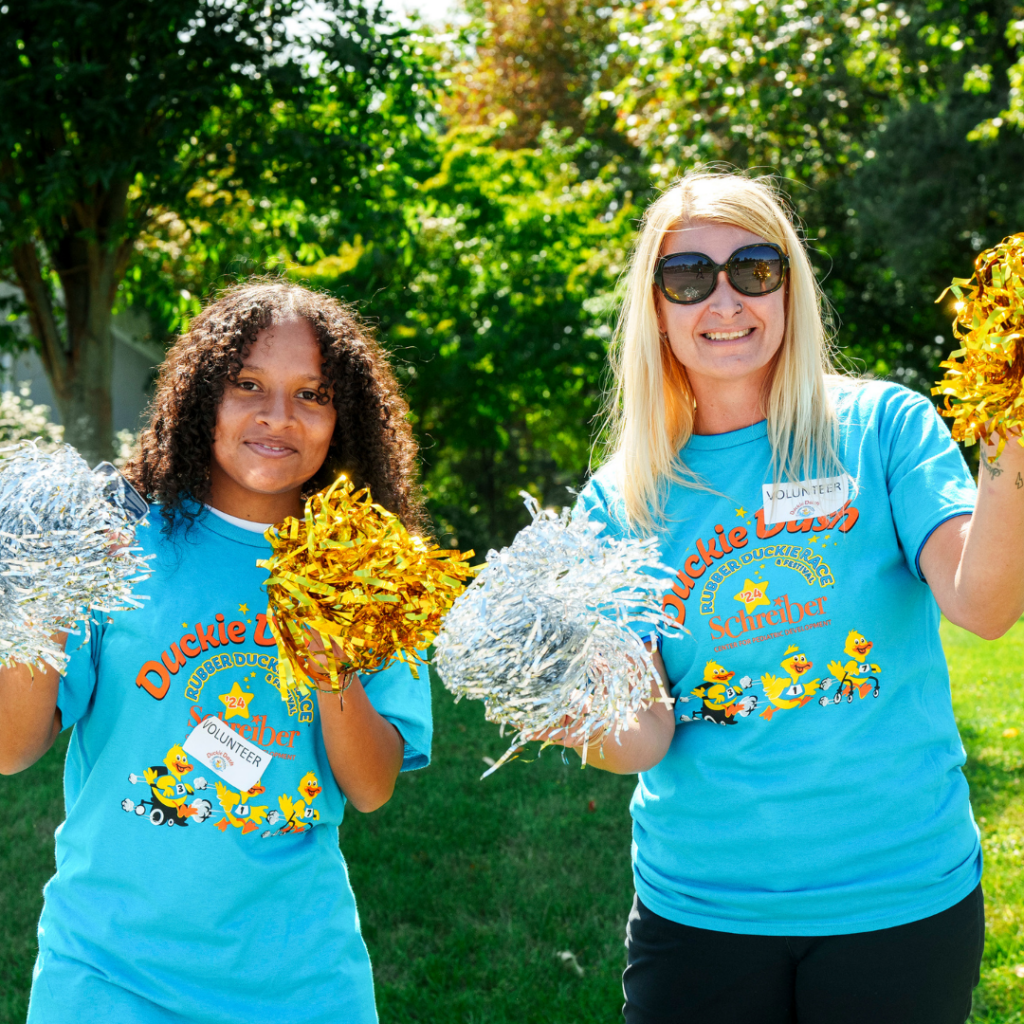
(741, 512)
(752, 595)
(236, 702)
(243, 608)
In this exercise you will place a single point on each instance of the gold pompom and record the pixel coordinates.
(350, 572)
(983, 382)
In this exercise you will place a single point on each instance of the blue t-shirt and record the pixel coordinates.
(177, 897)
(814, 784)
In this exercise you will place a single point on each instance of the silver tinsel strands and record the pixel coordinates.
(59, 521)
(543, 634)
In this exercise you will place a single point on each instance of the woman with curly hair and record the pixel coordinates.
(185, 898)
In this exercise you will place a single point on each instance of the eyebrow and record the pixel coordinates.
(260, 369)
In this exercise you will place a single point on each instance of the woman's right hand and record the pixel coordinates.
(637, 749)
(29, 717)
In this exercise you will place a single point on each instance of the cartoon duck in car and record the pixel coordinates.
(723, 702)
(794, 691)
(857, 675)
(168, 790)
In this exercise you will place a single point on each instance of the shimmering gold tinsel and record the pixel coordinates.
(350, 571)
(983, 382)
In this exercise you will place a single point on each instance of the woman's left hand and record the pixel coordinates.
(315, 664)
(975, 564)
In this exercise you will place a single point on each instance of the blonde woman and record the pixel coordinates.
(804, 849)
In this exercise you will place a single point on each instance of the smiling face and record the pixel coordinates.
(714, 673)
(309, 786)
(729, 338)
(177, 761)
(273, 427)
(858, 646)
(797, 665)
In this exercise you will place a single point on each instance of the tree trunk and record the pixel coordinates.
(89, 257)
(84, 401)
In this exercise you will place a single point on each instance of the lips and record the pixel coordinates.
(269, 448)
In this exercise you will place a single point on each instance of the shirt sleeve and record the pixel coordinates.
(78, 682)
(927, 477)
(604, 506)
(397, 695)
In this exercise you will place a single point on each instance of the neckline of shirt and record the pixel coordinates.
(217, 522)
(243, 524)
(730, 439)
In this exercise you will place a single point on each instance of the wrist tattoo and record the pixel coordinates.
(993, 468)
(1019, 483)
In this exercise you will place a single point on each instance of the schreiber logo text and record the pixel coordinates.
(785, 612)
(761, 637)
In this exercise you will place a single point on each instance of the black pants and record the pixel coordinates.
(918, 973)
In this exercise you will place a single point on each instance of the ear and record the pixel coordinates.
(657, 308)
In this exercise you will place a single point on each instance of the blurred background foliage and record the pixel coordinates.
(473, 192)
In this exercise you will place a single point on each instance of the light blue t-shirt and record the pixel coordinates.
(814, 784)
(177, 897)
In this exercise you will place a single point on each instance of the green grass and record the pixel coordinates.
(469, 890)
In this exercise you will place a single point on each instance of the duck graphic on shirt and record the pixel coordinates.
(169, 792)
(723, 702)
(237, 811)
(298, 815)
(794, 691)
(857, 675)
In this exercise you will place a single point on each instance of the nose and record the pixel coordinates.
(725, 300)
(276, 410)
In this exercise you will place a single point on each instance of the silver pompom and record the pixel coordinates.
(546, 631)
(66, 536)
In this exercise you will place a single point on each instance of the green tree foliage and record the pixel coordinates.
(791, 88)
(496, 304)
(506, 307)
(113, 113)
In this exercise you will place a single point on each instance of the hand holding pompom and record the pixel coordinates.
(544, 635)
(66, 536)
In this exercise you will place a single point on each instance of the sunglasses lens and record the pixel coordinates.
(755, 270)
(688, 277)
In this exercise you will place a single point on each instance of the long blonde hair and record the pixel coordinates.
(650, 411)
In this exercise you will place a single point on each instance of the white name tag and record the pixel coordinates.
(789, 502)
(223, 751)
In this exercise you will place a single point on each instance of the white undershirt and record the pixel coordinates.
(243, 523)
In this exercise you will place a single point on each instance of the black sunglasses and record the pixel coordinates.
(688, 277)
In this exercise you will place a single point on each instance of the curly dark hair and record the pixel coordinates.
(372, 442)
